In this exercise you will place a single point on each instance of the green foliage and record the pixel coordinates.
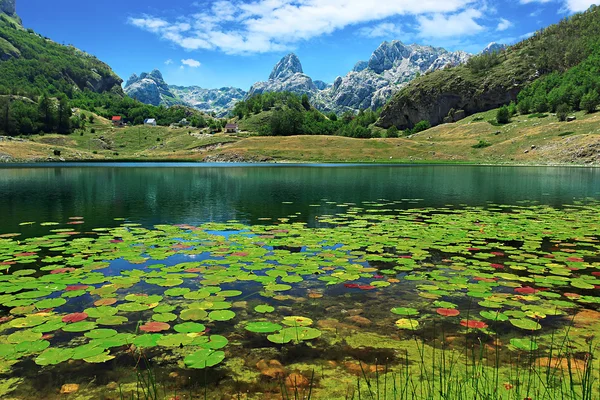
(392, 132)
(589, 101)
(484, 62)
(503, 115)
(512, 109)
(482, 144)
(43, 66)
(562, 111)
(291, 114)
(420, 127)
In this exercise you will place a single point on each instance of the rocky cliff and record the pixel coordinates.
(150, 89)
(9, 7)
(370, 84)
(392, 66)
(287, 76)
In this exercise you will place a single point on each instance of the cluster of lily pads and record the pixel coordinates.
(92, 295)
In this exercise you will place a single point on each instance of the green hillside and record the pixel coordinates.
(31, 65)
(489, 81)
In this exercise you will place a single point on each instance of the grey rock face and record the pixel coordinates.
(8, 7)
(393, 65)
(288, 66)
(151, 89)
(321, 85)
(287, 76)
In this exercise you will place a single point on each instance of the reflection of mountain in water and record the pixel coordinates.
(194, 195)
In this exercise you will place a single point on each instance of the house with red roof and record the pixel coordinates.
(117, 120)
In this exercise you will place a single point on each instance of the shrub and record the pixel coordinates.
(93, 130)
(562, 112)
(420, 127)
(589, 101)
(512, 109)
(482, 144)
(524, 106)
(392, 132)
(503, 115)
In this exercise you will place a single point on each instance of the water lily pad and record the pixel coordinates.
(193, 314)
(86, 351)
(263, 309)
(301, 333)
(524, 344)
(189, 327)
(204, 358)
(297, 321)
(263, 327)
(23, 336)
(409, 324)
(53, 356)
(405, 311)
(100, 333)
(221, 315)
(112, 320)
(155, 327)
(526, 324)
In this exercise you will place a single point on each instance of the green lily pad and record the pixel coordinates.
(221, 315)
(409, 324)
(405, 311)
(80, 326)
(204, 358)
(526, 324)
(263, 309)
(524, 344)
(189, 327)
(53, 356)
(263, 327)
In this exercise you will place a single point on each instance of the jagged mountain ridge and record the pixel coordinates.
(150, 88)
(369, 85)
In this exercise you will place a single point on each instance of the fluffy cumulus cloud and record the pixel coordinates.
(450, 25)
(260, 26)
(190, 62)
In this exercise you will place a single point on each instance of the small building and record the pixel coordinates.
(117, 120)
(184, 122)
(150, 122)
(232, 128)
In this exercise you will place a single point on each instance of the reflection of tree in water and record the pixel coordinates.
(199, 194)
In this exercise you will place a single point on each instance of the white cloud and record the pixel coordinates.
(169, 62)
(569, 5)
(579, 5)
(384, 29)
(503, 25)
(454, 25)
(273, 25)
(190, 62)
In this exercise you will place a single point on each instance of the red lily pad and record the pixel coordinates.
(351, 285)
(366, 287)
(155, 327)
(572, 295)
(62, 270)
(526, 290)
(25, 254)
(76, 287)
(240, 254)
(497, 266)
(75, 317)
(105, 302)
(575, 259)
(497, 253)
(447, 312)
(473, 324)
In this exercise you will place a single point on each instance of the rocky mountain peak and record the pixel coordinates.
(288, 66)
(494, 48)
(156, 75)
(387, 54)
(8, 7)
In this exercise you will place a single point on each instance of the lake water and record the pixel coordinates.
(191, 194)
(187, 281)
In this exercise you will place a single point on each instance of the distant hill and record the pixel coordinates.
(496, 78)
(31, 64)
(152, 89)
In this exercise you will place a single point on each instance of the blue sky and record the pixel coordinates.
(215, 43)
